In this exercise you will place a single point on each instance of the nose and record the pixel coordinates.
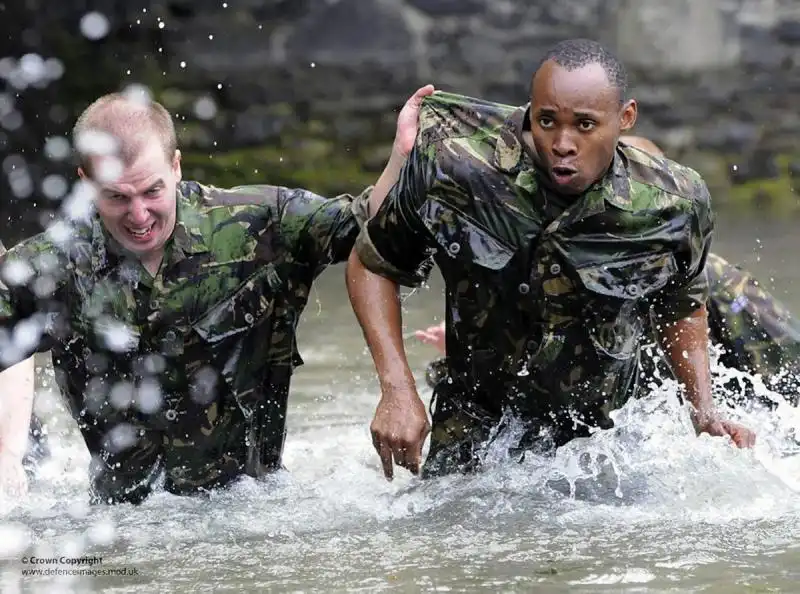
(564, 145)
(137, 212)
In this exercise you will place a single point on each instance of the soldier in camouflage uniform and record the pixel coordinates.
(171, 312)
(755, 331)
(560, 251)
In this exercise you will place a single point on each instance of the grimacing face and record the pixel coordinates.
(576, 120)
(138, 208)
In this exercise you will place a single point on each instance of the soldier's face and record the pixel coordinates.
(576, 119)
(138, 208)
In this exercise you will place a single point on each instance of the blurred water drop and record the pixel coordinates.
(7, 67)
(54, 186)
(12, 121)
(79, 205)
(21, 183)
(117, 336)
(13, 162)
(203, 387)
(148, 397)
(6, 104)
(102, 533)
(205, 108)
(79, 509)
(121, 396)
(44, 286)
(56, 148)
(54, 68)
(32, 68)
(139, 94)
(96, 142)
(14, 539)
(120, 438)
(94, 25)
(59, 232)
(17, 272)
(109, 170)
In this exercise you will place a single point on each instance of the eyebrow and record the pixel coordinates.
(583, 114)
(153, 186)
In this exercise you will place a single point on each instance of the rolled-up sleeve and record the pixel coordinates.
(689, 289)
(395, 243)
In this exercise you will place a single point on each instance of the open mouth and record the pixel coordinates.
(141, 234)
(562, 174)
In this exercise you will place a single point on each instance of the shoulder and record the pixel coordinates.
(206, 198)
(445, 116)
(664, 180)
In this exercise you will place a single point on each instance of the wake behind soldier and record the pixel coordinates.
(171, 311)
(560, 252)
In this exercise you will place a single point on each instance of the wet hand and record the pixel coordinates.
(741, 435)
(399, 430)
(434, 336)
(407, 125)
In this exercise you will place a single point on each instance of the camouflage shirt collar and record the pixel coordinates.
(509, 156)
(187, 238)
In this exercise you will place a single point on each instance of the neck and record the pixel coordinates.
(152, 261)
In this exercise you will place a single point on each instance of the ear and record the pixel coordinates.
(628, 115)
(176, 165)
(82, 174)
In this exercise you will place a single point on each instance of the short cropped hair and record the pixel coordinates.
(130, 121)
(573, 54)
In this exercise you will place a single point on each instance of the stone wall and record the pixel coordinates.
(302, 92)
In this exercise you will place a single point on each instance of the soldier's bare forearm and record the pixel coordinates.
(388, 178)
(16, 408)
(685, 343)
(376, 304)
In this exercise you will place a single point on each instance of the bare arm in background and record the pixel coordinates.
(401, 424)
(17, 388)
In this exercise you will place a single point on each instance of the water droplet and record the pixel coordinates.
(94, 25)
(32, 68)
(148, 397)
(54, 68)
(139, 94)
(96, 142)
(11, 121)
(205, 108)
(161, 25)
(56, 148)
(211, 37)
(183, 64)
(14, 539)
(54, 186)
(102, 533)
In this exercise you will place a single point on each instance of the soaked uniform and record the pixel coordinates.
(186, 374)
(755, 331)
(547, 298)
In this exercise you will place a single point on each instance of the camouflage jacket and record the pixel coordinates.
(756, 331)
(209, 340)
(547, 299)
